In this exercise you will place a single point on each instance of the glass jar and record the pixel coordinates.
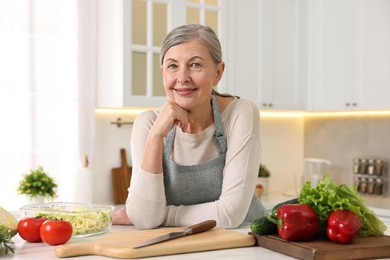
(378, 186)
(356, 182)
(371, 186)
(371, 167)
(363, 166)
(356, 165)
(379, 165)
(363, 185)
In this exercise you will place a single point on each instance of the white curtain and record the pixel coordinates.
(47, 91)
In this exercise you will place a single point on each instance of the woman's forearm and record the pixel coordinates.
(152, 158)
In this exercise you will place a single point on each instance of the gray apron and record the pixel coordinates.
(201, 183)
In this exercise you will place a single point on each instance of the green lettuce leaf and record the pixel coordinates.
(327, 197)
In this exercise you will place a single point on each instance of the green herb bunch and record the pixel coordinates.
(37, 183)
(8, 229)
(6, 245)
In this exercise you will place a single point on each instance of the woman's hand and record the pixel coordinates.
(170, 115)
(119, 217)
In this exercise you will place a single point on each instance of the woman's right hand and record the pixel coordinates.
(170, 115)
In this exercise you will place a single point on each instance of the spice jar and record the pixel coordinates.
(371, 186)
(356, 166)
(379, 165)
(356, 182)
(363, 166)
(371, 167)
(363, 185)
(378, 186)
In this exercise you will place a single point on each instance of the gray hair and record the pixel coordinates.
(186, 33)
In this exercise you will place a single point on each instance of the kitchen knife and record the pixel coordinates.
(194, 229)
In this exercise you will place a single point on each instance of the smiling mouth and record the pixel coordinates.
(185, 91)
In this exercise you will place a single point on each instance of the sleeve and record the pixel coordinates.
(145, 204)
(242, 131)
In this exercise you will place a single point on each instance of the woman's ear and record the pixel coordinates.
(220, 70)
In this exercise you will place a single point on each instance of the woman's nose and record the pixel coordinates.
(183, 76)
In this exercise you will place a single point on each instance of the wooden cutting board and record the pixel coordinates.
(360, 248)
(119, 244)
(121, 179)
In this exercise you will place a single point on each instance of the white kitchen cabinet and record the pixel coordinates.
(267, 64)
(349, 55)
(282, 56)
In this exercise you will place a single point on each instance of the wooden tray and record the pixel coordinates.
(361, 248)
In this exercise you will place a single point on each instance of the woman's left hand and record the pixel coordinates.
(119, 217)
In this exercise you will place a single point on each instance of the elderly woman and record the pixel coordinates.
(197, 157)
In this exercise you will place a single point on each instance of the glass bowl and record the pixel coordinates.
(86, 219)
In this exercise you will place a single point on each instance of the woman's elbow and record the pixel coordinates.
(142, 225)
(142, 221)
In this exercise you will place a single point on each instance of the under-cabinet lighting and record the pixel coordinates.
(348, 113)
(279, 114)
(282, 114)
(131, 111)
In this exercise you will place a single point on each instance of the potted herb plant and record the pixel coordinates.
(263, 178)
(38, 185)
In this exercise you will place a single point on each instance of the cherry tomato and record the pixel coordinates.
(28, 228)
(56, 232)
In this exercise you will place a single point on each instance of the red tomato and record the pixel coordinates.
(28, 228)
(56, 232)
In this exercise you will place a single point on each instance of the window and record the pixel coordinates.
(146, 22)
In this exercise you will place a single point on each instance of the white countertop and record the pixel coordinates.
(31, 251)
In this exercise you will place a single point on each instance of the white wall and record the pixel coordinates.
(282, 150)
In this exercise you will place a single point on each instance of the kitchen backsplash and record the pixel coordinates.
(341, 139)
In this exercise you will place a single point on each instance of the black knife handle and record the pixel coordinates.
(202, 226)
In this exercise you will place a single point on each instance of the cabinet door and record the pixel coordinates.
(349, 57)
(331, 44)
(268, 61)
(282, 54)
(374, 55)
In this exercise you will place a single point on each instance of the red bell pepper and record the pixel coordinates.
(343, 225)
(297, 222)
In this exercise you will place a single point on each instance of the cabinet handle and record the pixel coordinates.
(347, 104)
(119, 122)
(270, 105)
(354, 104)
(264, 104)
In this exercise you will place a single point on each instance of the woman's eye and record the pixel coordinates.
(172, 66)
(195, 65)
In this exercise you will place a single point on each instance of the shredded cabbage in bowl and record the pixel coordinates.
(86, 219)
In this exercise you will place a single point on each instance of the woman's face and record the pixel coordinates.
(189, 74)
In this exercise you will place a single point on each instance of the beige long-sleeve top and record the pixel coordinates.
(146, 204)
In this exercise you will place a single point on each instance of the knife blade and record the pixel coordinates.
(194, 229)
